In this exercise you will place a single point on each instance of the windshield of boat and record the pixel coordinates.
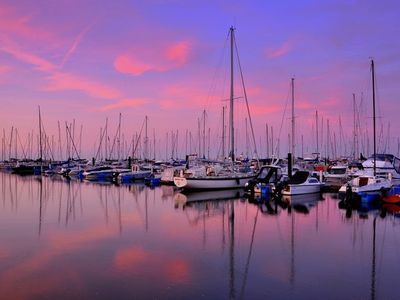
(263, 173)
(337, 171)
(396, 164)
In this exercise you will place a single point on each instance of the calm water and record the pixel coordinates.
(72, 240)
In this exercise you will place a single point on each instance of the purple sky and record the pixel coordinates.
(89, 60)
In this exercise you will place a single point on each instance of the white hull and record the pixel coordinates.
(299, 189)
(383, 184)
(212, 182)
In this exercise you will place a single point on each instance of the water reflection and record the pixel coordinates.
(64, 239)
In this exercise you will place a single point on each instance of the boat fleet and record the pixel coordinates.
(274, 178)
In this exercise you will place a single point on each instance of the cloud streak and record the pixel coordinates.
(75, 44)
(58, 80)
(123, 104)
(278, 52)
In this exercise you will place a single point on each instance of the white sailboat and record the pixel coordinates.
(228, 178)
(367, 182)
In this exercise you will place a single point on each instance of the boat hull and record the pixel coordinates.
(132, 176)
(294, 189)
(211, 182)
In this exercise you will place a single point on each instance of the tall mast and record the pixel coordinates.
(316, 130)
(223, 132)
(204, 133)
(373, 109)
(267, 138)
(154, 144)
(293, 124)
(231, 129)
(119, 137)
(354, 126)
(146, 141)
(40, 136)
(247, 141)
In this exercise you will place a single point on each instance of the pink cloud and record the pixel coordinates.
(11, 23)
(145, 60)
(129, 65)
(178, 52)
(63, 81)
(278, 52)
(123, 104)
(30, 58)
(5, 69)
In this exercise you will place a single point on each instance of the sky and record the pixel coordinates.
(91, 60)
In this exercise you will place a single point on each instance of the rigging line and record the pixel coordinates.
(22, 146)
(138, 139)
(101, 142)
(72, 140)
(216, 72)
(114, 140)
(247, 103)
(47, 142)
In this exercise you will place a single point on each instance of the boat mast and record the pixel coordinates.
(231, 129)
(293, 123)
(119, 137)
(204, 134)
(354, 127)
(223, 132)
(373, 110)
(316, 132)
(146, 139)
(40, 136)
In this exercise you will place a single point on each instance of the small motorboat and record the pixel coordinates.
(302, 183)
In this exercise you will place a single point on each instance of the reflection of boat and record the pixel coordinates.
(208, 195)
(302, 203)
(391, 208)
(393, 195)
(302, 183)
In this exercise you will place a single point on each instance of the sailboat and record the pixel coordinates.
(32, 168)
(367, 182)
(226, 178)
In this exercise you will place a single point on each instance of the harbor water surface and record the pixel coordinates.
(64, 239)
